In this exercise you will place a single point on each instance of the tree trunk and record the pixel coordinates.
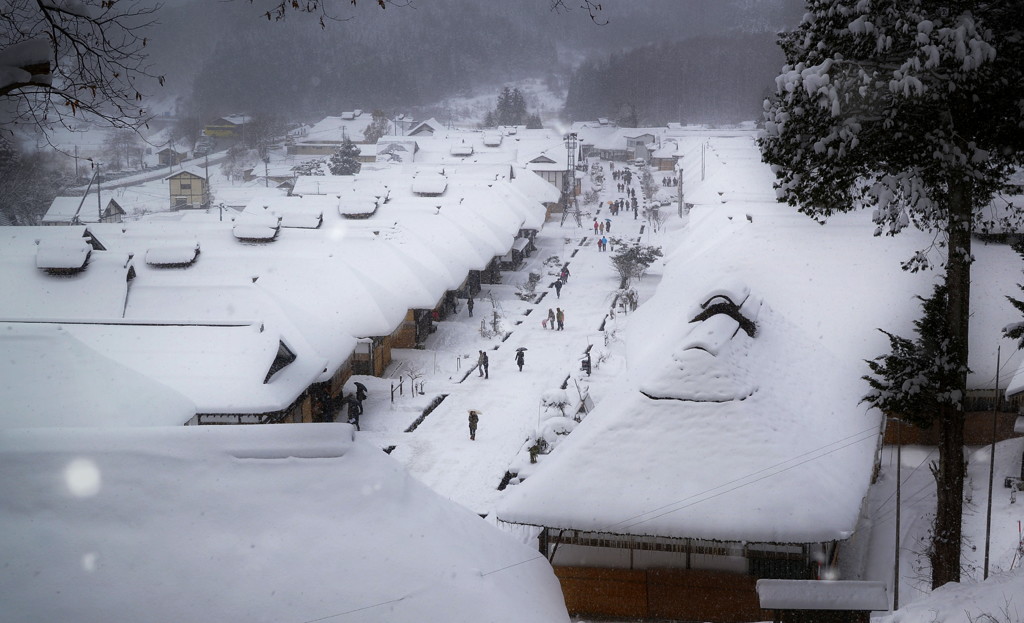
(949, 475)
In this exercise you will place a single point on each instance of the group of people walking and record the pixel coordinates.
(600, 227)
(556, 318)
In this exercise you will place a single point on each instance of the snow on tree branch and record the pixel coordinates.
(68, 59)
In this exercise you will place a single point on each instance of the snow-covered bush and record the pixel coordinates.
(555, 402)
(527, 290)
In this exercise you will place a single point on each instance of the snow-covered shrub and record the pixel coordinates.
(527, 290)
(555, 401)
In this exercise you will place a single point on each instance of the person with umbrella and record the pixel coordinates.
(608, 225)
(520, 357)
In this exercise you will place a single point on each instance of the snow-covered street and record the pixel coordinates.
(438, 451)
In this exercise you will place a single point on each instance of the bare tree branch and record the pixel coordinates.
(97, 67)
(593, 9)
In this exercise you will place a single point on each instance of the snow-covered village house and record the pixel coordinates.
(665, 156)
(188, 189)
(700, 474)
(231, 126)
(79, 210)
(327, 135)
(672, 544)
(625, 144)
(168, 157)
(429, 127)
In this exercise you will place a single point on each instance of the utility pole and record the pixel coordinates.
(569, 203)
(702, 150)
(99, 204)
(992, 465)
(206, 191)
(899, 481)
(679, 185)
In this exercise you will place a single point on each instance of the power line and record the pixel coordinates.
(411, 593)
(878, 510)
(873, 431)
(744, 484)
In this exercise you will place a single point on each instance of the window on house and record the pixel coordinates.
(284, 357)
(186, 186)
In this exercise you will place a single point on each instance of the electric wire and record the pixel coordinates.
(871, 432)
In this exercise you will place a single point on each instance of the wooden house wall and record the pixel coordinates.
(664, 164)
(313, 149)
(491, 274)
(977, 430)
(405, 335)
(382, 355)
(689, 595)
(195, 195)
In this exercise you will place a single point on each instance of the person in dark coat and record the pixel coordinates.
(520, 359)
(474, 419)
(551, 318)
(360, 396)
(558, 288)
(353, 413)
(469, 306)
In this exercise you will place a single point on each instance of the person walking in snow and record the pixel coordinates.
(520, 359)
(604, 243)
(607, 226)
(353, 412)
(560, 318)
(360, 396)
(469, 306)
(558, 288)
(565, 274)
(595, 226)
(551, 318)
(474, 419)
(482, 365)
(600, 228)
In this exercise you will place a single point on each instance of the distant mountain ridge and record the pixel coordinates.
(227, 56)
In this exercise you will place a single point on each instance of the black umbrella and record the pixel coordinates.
(522, 348)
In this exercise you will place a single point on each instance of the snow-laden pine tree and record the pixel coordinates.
(377, 128)
(914, 108)
(345, 161)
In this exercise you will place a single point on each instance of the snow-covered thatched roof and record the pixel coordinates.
(64, 383)
(719, 434)
(64, 210)
(258, 523)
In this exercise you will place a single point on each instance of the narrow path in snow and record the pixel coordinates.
(439, 452)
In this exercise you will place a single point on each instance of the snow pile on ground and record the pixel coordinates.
(1000, 599)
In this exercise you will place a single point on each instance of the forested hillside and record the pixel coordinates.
(222, 57)
(719, 79)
